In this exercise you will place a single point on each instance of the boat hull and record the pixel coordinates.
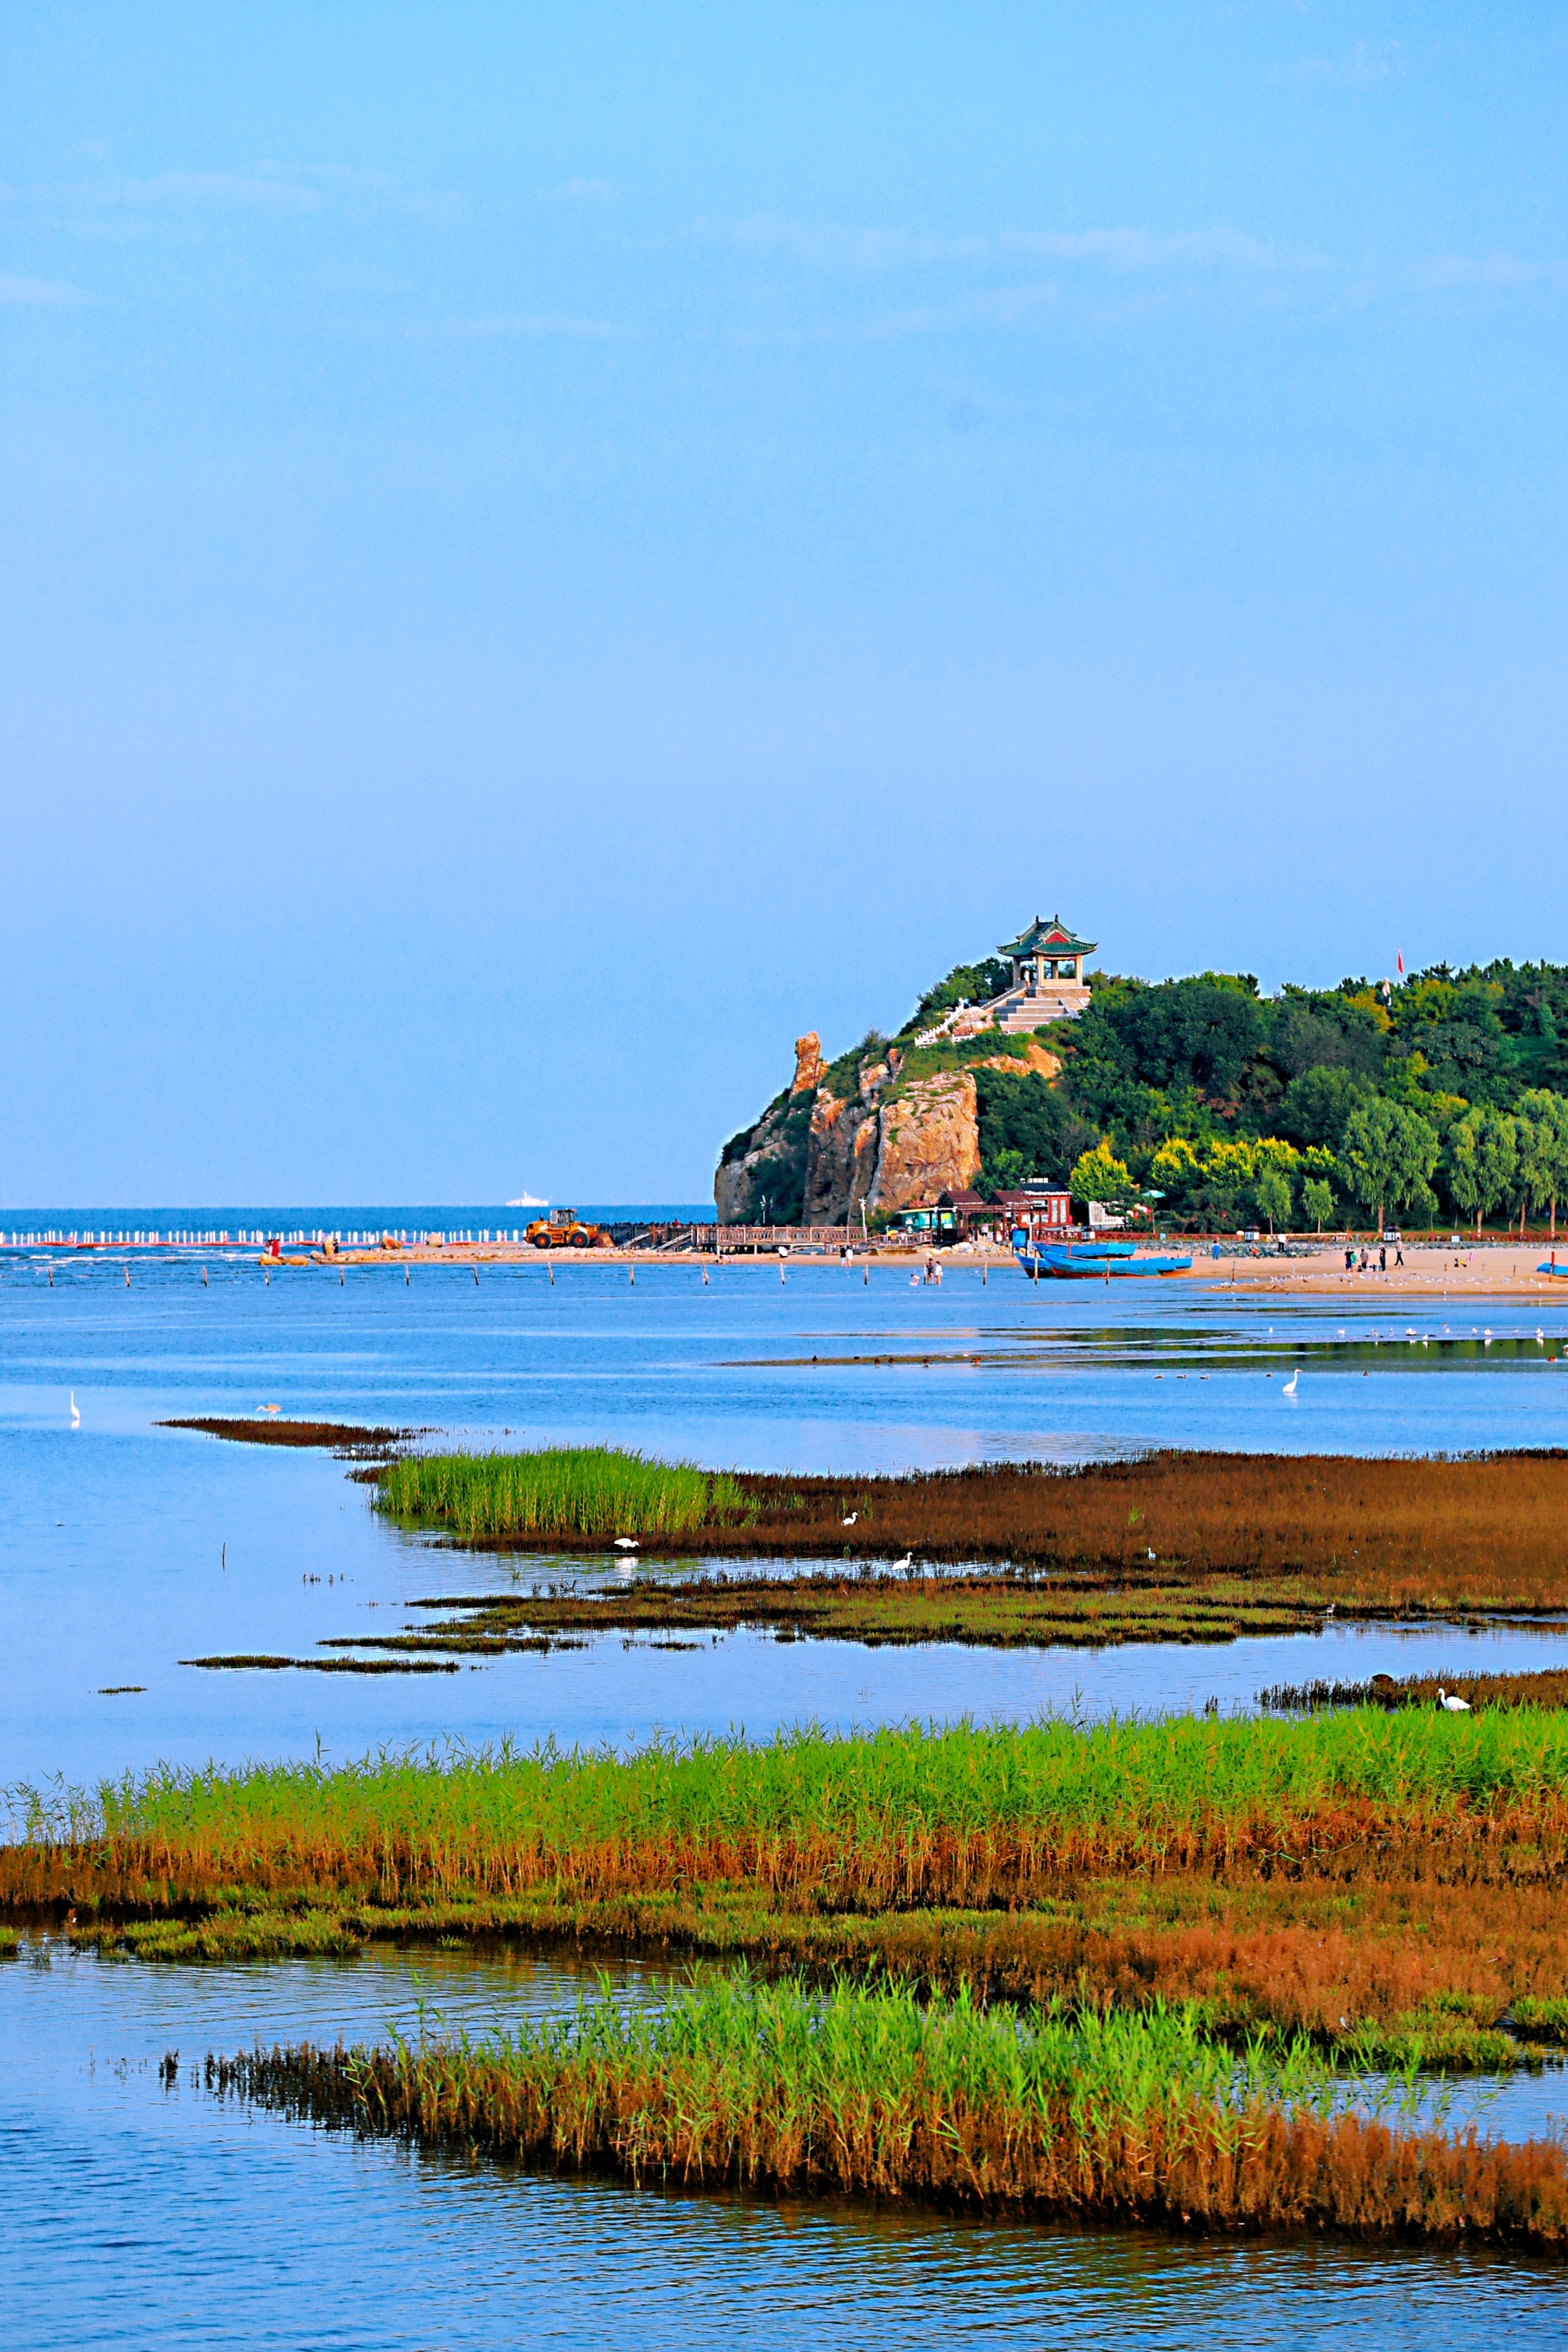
(1054, 1266)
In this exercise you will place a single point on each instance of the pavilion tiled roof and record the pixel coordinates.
(1055, 938)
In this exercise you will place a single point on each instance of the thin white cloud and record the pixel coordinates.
(1491, 273)
(1136, 251)
(1362, 67)
(551, 324)
(263, 191)
(580, 191)
(267, 189)
(41, 293)
(992, 307)
(1123, 251)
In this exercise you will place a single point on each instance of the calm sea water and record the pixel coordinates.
(135, 2215)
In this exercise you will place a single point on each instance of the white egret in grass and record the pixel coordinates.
(1451, 1702)
(851, 1520)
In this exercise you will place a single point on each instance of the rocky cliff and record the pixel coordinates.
(856, 1134)
(928, 1141)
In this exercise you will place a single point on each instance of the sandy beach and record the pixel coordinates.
(1478, 1270)
(1484, 1270)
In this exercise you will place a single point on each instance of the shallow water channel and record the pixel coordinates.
(145, 2215)
(138, 2214)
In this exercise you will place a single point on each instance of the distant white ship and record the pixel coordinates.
(527, 1200)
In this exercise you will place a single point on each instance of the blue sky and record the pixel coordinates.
(547, 552)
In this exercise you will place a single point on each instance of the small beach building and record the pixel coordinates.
(1048, 982)
(1041, 1209)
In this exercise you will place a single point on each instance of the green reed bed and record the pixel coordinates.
(782, 2088)
(900, 1815)
(594, 1492)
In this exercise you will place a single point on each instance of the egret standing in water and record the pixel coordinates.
(1290, 1387)
(76, 1417)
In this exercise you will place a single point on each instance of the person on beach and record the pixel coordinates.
(1350, 1260)
(1383, 1258)
(1398, 1258)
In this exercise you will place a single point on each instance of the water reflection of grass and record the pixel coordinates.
(856, 2088)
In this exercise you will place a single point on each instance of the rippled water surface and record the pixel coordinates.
(139, 2215)
(125, 1547)
(135, 2214)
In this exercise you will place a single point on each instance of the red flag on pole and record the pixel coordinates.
(1401, 964)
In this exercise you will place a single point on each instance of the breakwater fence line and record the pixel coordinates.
(625, 1233)
(256, 1237)
(802, 1241)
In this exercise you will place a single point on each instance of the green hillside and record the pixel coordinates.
(1441, 1098)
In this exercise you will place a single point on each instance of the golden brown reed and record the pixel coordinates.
(1379, 1536)
(894, 2122)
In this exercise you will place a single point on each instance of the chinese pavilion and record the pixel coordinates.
(1048, 984)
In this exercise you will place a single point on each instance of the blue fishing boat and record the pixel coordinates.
(1094, 1260)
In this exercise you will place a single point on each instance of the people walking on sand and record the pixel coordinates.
(1398, 1258)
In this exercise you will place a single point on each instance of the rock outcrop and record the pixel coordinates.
(857, 1133)
(1035, 1057)
(928, 1142)
(763, 1169)
(809, 1066)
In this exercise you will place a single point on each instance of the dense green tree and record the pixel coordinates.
(1003, 1174)
(1196, 1033)
(1483, 1152)
(1316, 1030)
(966, 984)
(1022, 1116)
(1387, 1156)
(1099, 1175)
(1543, 1117)
(1272, 1191)
(1318, 1200)
(1318, 1103)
